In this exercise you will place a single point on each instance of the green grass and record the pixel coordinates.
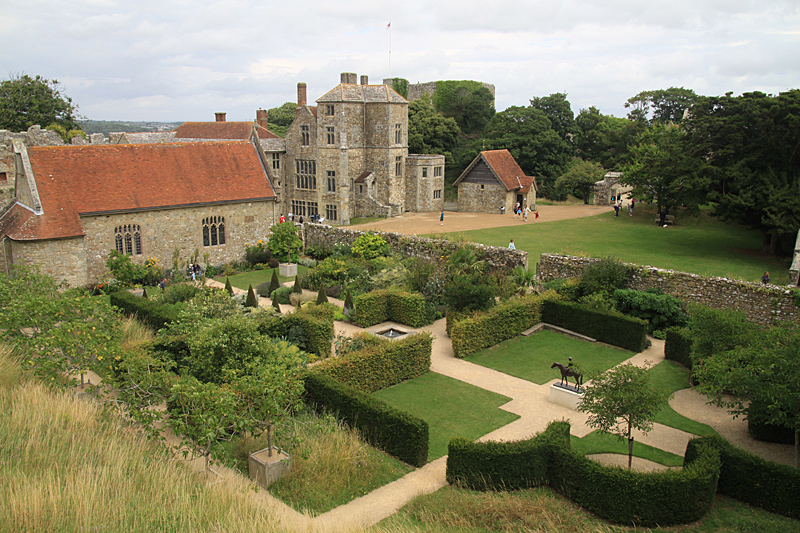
(700, 245)
(364, 220)
(669, 377)
(451, 408)
(530, 358)
(256, 277)
(601, 442)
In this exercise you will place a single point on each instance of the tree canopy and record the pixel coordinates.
(580, 177)
(468, 102)
(557, 108)
(26, 101)
(660, 106)
(429, 132)
(280, 118)
(605, 139)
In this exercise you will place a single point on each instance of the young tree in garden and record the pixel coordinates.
(580, 177)
(621, 400)
(764, 371)
(26, 101)
(284, 238)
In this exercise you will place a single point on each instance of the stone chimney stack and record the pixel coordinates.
(364, 79)
(261, 118)
(220, 117)
(301, 94)
(349, 78)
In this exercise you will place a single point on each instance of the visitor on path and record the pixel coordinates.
(536, 216)
(191, 272)
(764, 278)
(290, 216)
(516, 209)
(197, 271)
(163, 284)
(527, 212)
(511, 245)
(630, 209)
(633, 203)
(282, 219)
(441, 217)
(616, 209)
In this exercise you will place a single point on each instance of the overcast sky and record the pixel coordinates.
(176, 60)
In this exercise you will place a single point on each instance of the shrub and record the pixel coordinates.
(661, 310)
(228, 286)
(275, 303)
(759, 427)
(390, 304)
(154, 314)
(273, 263)
(297, 288)
(274, 283)
(609, 327)
(348, 304)
(180, 292)
(605, 275)
(251, 300)
(310, 327)
(282, 294)
(678, 346)
(569, 288)
(717, 330)
(321, 296)
(318, 252)
(370, 246)
(298, 299)
(262, 289)
(341, 250)
(469, 293)
(256, 254)
(399, 434)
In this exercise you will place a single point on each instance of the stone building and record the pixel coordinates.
(494, 183)
(76, 203)
(609, 186)
(348, 156)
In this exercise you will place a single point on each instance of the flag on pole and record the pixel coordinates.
(388, 25)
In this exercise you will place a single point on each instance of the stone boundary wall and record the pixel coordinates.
(496, 257)
(762, 304)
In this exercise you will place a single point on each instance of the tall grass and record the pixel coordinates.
(67, 465)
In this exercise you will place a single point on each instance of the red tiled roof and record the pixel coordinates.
(221, 130)
(505, 168)
(74, 180)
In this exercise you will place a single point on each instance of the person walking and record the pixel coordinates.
(536, 216)
(511, 245)
(616, 209)
(441, 217)
(527, 211)
(282, 219)
(764, 278)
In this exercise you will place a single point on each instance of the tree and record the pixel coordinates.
(274, 282)
(283, 239)
(429, 132)
(468, 102)
(660, 106)
(580, 177)
(765, 371)
(280, 118)
(605, 139)
(26, 101)
(557, 108)
(251, 300)
(621, 400)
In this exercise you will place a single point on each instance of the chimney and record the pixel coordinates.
(301, 94)
(220, 117)
(349, 78)
(261, 118)
(364, 79)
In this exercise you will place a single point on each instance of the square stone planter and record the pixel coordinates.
(266, 470)
(287, 270)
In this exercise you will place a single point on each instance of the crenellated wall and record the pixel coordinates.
(762, 304)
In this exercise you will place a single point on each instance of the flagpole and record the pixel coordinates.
(389, 27)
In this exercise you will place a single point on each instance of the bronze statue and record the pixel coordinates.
(567, 372)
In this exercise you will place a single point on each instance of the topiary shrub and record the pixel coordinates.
(321, 296)
(283, 294)
(144, 292)
(275, 303)
(228, 286)
(251, 300)
(297, 288)
(348, 304)
(274, 283)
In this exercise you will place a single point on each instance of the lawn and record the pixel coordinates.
(450, 407)
(700, 245)
(670, 376)
(256, 277)
(530, 358)
(601, 442)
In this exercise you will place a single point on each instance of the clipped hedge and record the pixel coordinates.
(619, 495)
(751, 479)
(678, 346)
(315, 321)
(390, 304)
(397, 433)
(504, 321)
(156, 315)
(608, 327)
(381, 364)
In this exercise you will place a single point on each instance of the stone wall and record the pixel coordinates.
(417, 90)
(496, 257)
(483, 198)
(794, 269)
(419, 189)
(63, 259)
(761, 304)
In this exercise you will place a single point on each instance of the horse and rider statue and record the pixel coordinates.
(568, 371)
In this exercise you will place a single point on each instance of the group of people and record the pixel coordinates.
(523, 212)
(290, 216)
(616, 201)
(194, 271)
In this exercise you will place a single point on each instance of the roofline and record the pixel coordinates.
(176, 206)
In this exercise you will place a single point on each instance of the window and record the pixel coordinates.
(482, 186)
(306, 174)
(360, 188)
(437, 194)
(3, 176)
(330, 134)
(276, 161)
(305, 136)
(128, 239)
(329, 110)
(424, 172)
(313, 209)
(303, 208)
(331, 212)
(398, 165)
(437, 171)
(398, 134)
(331, 181)
(213, 231)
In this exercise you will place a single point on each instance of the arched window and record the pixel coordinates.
(213, 231)
(128, 239)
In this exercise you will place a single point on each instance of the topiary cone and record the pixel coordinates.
(348, 302)
(228, 286)
(321, 296)
(274, 283)
(144, 292)
(275, 302)
(251, 300)
(297, 288)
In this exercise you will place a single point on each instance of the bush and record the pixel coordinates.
(469, 293)
(678, 346)
(257, 254)
(273, 263)
(397, 433)
(318, 252)
(180, 292)
(274, 282)
(605, 275)
(369, 246)
(609, 327)
(262, 289)
(717, 330)
(315, 322)
(282, 294)
(661, 310)
(569, 288)
(759, 427)
(749, 478)
(622, 496)
(251, 300)
(154, 314)
(297, 288)
(390, 304)
(322, 297)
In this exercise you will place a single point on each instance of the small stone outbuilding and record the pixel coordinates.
(494, 183)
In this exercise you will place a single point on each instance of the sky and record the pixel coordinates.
(176, 60)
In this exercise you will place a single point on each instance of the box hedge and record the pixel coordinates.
(622, 496)
(154, 314)
(608, 327)
(504, 321)
(397, 433)
(751, 479)
(381, 364)
(678, 346)
(315, 321)
(390, 304)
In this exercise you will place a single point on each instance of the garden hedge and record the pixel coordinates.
(608, 327)
(678, 346)
(619, 495)
(504, 321)
(397, 433)
(390, 304)
(155, 315)
(751, 479)
(315, 321)
(381, 364)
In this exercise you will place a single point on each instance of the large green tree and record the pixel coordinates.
(750, 145)
(26, 101)
(468, 102)
(661, 106)
(280, 118)
(605, 139)
(430, 132)
(580, 177)
(557, 108)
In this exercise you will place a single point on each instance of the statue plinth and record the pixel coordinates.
(565, 396)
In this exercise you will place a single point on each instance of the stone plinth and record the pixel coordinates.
(565, 397)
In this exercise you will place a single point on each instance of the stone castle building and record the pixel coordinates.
(494, 183)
